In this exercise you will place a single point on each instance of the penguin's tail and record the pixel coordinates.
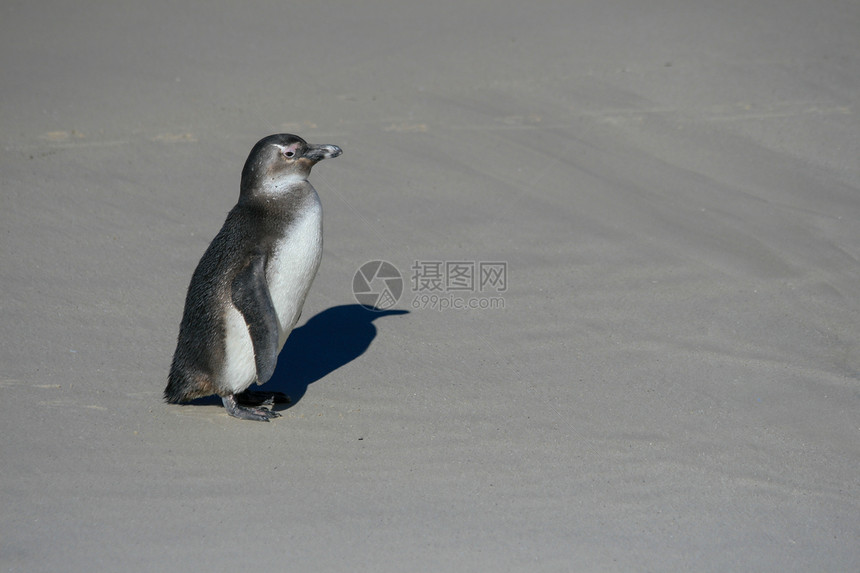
(182, 387)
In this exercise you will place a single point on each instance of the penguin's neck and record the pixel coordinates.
(290, 189)
(284, 184)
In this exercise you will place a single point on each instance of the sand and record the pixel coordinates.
(657, 370)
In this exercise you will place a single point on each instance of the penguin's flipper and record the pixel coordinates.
(250, 295)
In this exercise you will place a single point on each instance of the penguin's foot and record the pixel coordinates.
(258, 398)
(247, 412)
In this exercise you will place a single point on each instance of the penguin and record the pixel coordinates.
(247, 291)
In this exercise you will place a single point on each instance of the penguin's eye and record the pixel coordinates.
(289, 153)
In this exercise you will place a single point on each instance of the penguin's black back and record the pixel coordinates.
(200, 344)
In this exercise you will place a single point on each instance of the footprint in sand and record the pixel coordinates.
(61, 136)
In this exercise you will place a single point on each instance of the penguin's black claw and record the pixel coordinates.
(259, 398)
(247, 412)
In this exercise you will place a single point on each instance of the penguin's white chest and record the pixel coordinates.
(293, 266)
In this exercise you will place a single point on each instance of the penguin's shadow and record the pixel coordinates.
(327, 341)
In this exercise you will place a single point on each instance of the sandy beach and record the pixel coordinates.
(626, 335)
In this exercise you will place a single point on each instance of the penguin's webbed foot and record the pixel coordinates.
(260, 398)
(247, 412)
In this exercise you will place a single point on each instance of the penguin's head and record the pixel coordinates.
(278, 161)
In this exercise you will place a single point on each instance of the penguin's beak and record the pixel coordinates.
(320, 152)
